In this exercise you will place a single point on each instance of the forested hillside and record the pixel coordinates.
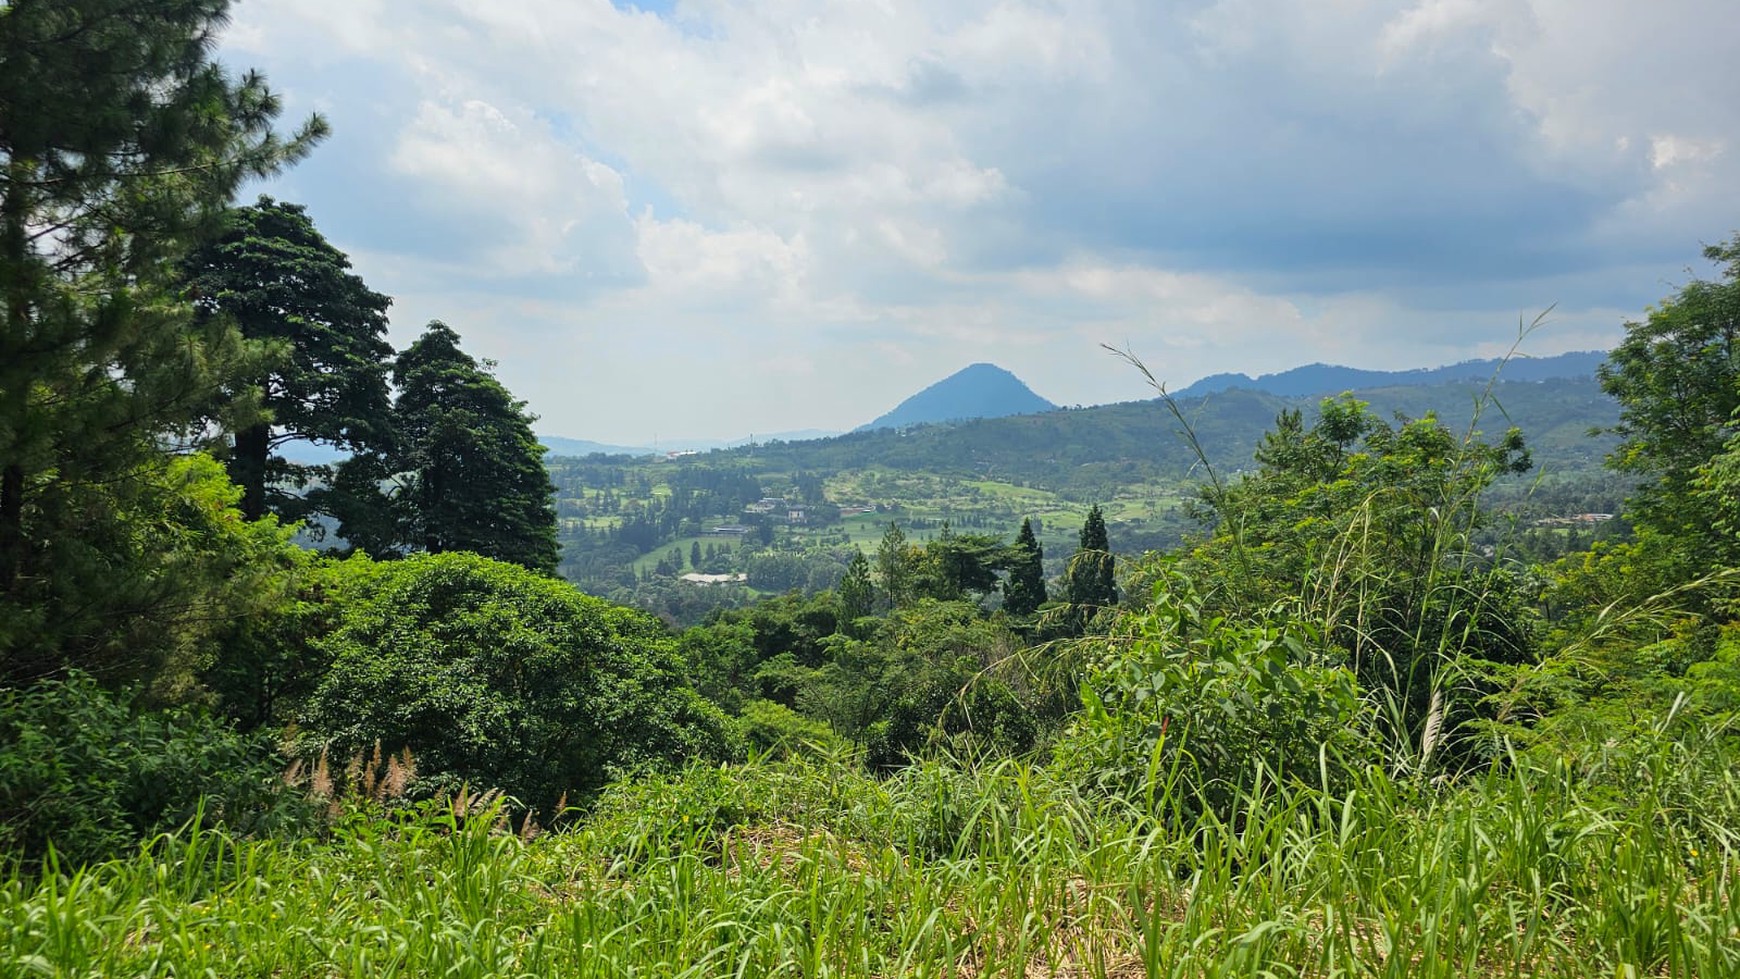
(1379, 694)
(631, 527)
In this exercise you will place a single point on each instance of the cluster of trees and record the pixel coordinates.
(1347, 601)
(159, 348)
(448, 464)
(145, 318)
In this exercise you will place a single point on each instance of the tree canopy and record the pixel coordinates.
(1024, 589)
(122, 142)
(283, 284)
(1676, 376)
(1090, 583)
(475, 472)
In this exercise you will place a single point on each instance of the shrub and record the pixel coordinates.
(91, 774)
(497, 676)
(1199, 700)
(777, 729)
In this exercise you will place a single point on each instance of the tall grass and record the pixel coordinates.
(810, 868)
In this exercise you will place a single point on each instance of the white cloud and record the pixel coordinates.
(820, 200)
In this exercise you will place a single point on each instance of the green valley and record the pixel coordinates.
(629, 525)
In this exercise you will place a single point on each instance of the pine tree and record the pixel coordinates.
(695, 555)
(282, 283)
(857, 593)
(894, 566)
(475, 476)
(1024, 589)
(121, 141)
(1090, 583)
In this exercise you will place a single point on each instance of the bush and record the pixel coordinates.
(1196, 701)
(89, 773)
(776, 729)
(496, 676)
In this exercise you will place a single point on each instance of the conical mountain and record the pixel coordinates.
(977, 391)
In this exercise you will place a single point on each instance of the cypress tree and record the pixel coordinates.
(474, 472)
(857, 593)
(1091, 583)
(1024, 589)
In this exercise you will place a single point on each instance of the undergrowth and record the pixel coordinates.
(808, 867)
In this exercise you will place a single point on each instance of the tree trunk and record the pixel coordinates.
(11, 525)
(248, 468)
(15, 368)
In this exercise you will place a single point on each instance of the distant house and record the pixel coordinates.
(767, 504)
(1586, 519)
(729, 530)
(797, 514)
(696, 578)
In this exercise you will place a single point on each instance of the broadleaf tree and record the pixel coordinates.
(1676, 376)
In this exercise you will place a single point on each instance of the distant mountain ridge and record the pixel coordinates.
(1327, 379)
(976, 391)
(561, 446)
(1086, 453)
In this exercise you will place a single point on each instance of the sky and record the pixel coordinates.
(711, 218)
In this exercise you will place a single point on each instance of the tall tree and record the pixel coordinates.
(121, 141)
(1676, 376)
(1091, 581)
(475, 472)
(283, 284)
(956, 567)
(857, 593)
(894, 566)
(1024, 589)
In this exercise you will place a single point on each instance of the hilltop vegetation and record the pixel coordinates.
(1359, 721)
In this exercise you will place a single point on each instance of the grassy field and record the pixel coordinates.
(812, 869)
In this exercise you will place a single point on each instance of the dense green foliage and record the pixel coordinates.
(474, 472)
(1675, 378)
(1091, 583)
(497, 677)
(1352, 723)
(1185, 707)
(145, 591)
(91, 775)
(123, 140)
(1024, 590)
(283, 285)
(811, 868)
(1366, 531)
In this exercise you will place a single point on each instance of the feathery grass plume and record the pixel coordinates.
(353, 771)
(401, 769)
(320, 784)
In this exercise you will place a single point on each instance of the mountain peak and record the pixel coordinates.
(976, 391)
